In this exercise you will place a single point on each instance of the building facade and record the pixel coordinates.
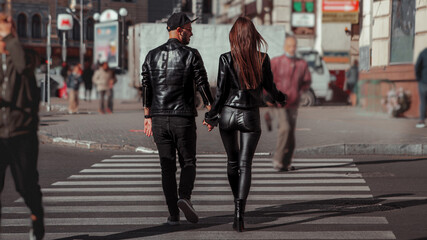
(302, 18)
(32, 18)
(393, 33)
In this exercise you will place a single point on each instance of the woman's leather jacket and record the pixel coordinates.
(170, 75)
(231, 93)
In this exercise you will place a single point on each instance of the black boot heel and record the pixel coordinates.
(235, 215)
(240, 210)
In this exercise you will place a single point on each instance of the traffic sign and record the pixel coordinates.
(65, 21)
(340, 5)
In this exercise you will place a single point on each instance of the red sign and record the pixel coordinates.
(65, 22)
(340, 5)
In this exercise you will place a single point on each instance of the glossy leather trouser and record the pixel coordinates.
(246, 122)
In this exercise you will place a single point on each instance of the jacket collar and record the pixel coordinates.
(173, 40)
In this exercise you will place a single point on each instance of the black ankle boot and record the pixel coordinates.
(235, 215)
(240, 211)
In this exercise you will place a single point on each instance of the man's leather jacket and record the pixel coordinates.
(231, 93)
(170, 75)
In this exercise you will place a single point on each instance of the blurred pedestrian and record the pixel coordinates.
(421, 74)
(104, 79)
(87, 79)
(292, 76)
(65, 71)
(73, 84)
(351, 79)
(170, 75)
(19, 103)
(243, 74)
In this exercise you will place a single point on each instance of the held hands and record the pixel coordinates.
(148, 127)
(210, 127)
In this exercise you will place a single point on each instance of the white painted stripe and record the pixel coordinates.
(214, 235)
(197, 155)
(229, 208)
(228, 197)
(354, 177)
(197, 182)
(216, 189)
(202, 160)
(203, 165)
(144, 170)
(209, 220)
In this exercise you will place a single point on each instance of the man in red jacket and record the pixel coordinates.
(292, 77)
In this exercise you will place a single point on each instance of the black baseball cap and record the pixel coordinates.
(178, 20)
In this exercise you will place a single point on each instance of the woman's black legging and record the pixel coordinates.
(239, 163)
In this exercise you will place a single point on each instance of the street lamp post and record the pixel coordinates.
(82, 47)
(123, 13)
(81, 24)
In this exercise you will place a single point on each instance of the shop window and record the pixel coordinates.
(36, 27)
(22, 25)
(76, 30)
(186, 6)
(402, 31)
(89, 29)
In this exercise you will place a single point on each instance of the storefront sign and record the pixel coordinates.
(303, 20)
(340, 11)
(340, 6)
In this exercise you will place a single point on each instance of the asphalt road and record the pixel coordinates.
(359, 197)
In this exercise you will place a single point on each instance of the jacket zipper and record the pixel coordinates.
(206, 96)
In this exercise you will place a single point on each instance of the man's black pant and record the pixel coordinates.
(21, 154)
(172, 134)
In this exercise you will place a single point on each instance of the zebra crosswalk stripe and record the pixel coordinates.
(124, 192)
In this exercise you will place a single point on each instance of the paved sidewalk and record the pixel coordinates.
(331, 130)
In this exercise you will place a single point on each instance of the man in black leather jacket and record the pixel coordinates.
(170, 74)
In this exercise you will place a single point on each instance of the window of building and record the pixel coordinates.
(402, 31)
(89, 29)
(36, 27)
(186, 6)
(22, 25)
(76, 30)
(207, 6)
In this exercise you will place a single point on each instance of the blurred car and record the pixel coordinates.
(56, 80)
(320, 78)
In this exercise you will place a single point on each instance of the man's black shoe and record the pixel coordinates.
(188, 210)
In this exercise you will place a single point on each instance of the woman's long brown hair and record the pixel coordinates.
(246, 43)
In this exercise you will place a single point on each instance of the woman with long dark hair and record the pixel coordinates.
(243, 74)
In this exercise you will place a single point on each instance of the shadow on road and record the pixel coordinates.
(323, 208)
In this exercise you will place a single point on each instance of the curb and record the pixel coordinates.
(336, 149)
(365, 149)
(47, 138)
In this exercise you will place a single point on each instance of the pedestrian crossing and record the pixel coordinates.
(121, 198)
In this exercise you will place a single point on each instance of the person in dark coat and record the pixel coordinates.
(421, 74)
(19, 103)
(87, 79)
